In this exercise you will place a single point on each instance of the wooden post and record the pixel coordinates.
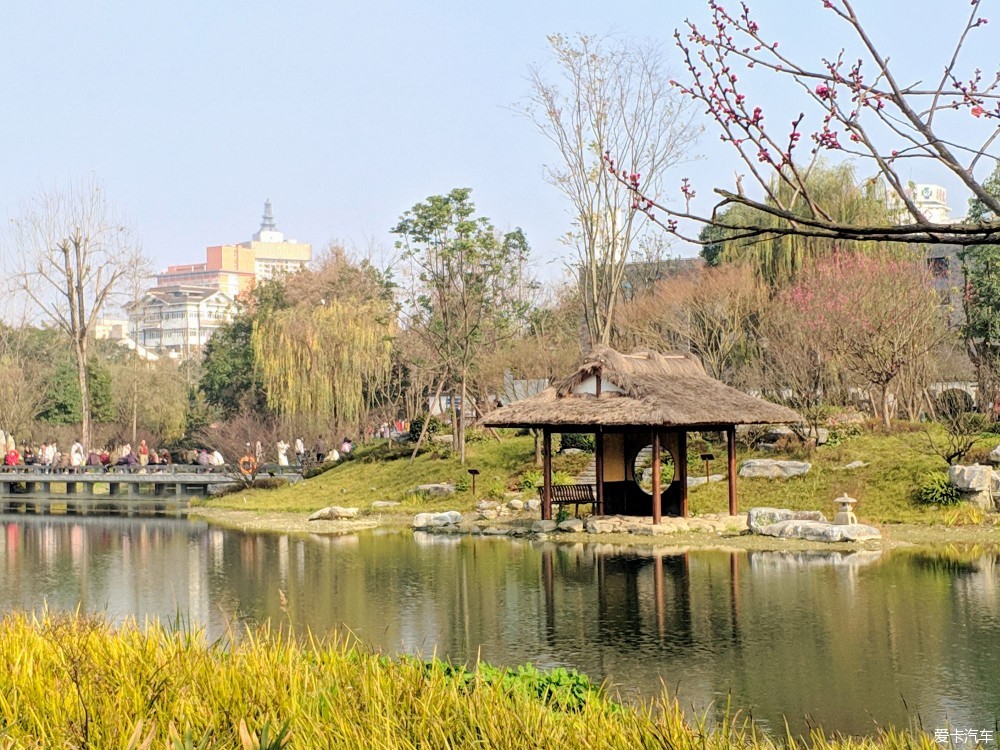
(546, 474)
(682, 470)
(599, 468)
(731, 449)
(657, 490)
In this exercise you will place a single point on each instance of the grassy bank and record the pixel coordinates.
(75, 682)
(897, 463)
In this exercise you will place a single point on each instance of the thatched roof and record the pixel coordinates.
(642, 389)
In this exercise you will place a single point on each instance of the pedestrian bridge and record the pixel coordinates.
(123, 490)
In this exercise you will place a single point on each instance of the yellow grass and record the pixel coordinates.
(73, 681)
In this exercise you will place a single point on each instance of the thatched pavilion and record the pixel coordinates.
(639, 405)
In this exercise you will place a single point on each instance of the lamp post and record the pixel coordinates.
(473, 473)
(707, 458)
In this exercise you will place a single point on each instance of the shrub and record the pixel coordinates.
(417, 424)
(935, 489)
(476, 435)
(559, 689)
(582, 440)
(463, 483)
(269, 483)
(530, 479)
(315, 471)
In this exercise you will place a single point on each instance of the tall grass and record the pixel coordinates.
(76, 682)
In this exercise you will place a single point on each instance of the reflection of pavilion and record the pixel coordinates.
(647, 594)
(636, 405)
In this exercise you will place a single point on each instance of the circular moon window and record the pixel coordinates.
(642, 469)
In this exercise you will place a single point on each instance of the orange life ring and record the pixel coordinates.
(248, 465)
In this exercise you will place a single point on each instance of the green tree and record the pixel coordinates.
(64, 404)
(981, 301)
(467, 288)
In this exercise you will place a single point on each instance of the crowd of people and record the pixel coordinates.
(51, 457)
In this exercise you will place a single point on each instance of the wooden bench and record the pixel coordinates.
(572, 494)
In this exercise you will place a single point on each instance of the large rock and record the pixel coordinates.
(532, 505)
(995, 455)
(516, 505)
(334, 513)
(571, 526)
(604, 525)
(384, 504)
(434, 490)
(698, 481)
(975, 483)
(448, 517)
(760, 518)
(423, 520)
(816, 531)
(770, 468)
(975, 478)
(776, 432)
(854, 465)
(543, 527)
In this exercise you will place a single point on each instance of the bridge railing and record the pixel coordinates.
(225, 470)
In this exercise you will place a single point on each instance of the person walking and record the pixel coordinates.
(282, 453)
(320, 449)
(300, 450)
(77, 456)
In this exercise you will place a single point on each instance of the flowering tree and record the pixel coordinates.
(860, 105)
(873, 315)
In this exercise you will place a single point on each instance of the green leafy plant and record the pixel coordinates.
(462, 484)
(496, 489)
(530, 480)
(582, 440)
(417, 424)
(561, 478)
(935, 489)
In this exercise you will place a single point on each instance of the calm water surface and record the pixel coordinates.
(839, 639)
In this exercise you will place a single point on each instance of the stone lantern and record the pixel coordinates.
(845, 510)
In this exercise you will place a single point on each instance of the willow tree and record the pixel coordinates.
(778, 257)
(322, 361)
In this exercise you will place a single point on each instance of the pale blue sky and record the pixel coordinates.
(343, 114)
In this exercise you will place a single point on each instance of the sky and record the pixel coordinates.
(344, 115)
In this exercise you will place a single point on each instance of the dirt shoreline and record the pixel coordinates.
(893, 535)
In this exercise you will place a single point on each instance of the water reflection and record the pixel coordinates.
(843, 638)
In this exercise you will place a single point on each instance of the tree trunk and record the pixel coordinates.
(886, 417)
(461, 424)
(423, 429)
(81, 373)
(537, 434)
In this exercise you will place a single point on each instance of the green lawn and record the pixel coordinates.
(885, 488)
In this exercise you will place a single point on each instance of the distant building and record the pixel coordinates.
(233, 269)
(112, 329)
(932, 202)
(178, 319)
(191, 301)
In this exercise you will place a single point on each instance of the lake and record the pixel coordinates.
(839, 639)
